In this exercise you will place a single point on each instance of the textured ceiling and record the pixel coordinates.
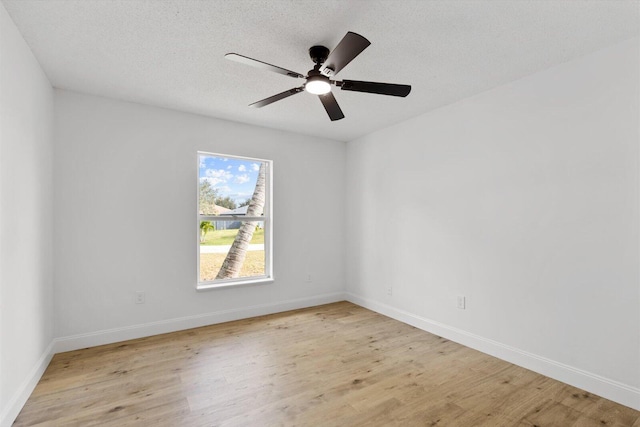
(171, 53)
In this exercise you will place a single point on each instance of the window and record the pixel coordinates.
(233, 220)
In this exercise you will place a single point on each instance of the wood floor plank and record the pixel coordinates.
(334, 365)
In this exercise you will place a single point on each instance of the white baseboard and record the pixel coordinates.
(613, 390)
(15, 404)
(110, 336)
(609, 389)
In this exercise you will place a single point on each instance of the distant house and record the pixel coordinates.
(221, 210)
(231, 225)
(242, 210)
(221, 225)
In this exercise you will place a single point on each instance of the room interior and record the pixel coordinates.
(509, 175)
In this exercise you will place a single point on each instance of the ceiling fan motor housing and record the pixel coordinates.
(318, 54)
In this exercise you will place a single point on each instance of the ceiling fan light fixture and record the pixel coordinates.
(318, 85)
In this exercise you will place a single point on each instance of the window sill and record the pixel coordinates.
(212, 286)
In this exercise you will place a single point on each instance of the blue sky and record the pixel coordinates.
(232, 177)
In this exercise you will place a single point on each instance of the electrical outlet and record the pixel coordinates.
(309, 278)
(461, 302)
(140, 297)
(390, 290)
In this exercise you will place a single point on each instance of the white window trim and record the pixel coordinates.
(267, 219)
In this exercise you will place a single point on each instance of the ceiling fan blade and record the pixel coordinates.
(331, 105)
(259, 64)
(373, 87)
(278, 97)
(349, 47)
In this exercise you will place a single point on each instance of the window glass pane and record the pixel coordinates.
(227, 184)
(232, 248)
(216, 240)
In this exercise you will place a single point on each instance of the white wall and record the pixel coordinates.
(125, 219)
(26, 141)
(524, 199)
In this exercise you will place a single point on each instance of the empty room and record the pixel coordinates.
(319, 213)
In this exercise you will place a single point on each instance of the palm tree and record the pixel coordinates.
(235, 257)
(205, 227)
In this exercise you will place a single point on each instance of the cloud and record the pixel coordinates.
(224, 190)
(219, 173)
(202, 161)
(255, 167)
(242, 168)
(229, 167)
(217, 176)
(212, 181)
(225, 159)
(241, 179)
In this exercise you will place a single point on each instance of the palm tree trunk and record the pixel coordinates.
(235, 257)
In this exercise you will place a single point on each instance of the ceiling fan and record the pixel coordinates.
(318, 79)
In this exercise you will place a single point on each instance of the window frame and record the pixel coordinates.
(266, 219)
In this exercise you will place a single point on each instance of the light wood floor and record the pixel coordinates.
(333, 365)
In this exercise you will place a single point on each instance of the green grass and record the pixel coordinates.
(226, 237)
